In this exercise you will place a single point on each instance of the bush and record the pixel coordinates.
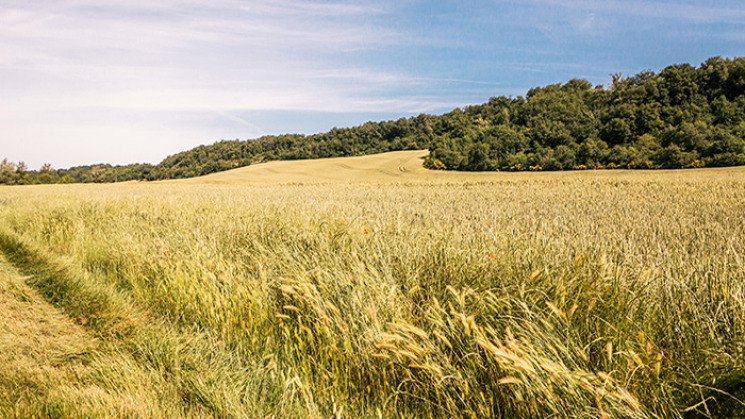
(726, 159)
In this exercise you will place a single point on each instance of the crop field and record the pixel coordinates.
(369, 287)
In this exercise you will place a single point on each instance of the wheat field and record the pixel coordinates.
(370, 287)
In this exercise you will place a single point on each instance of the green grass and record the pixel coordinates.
(378, 289)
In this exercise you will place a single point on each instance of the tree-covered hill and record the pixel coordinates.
(682, 116)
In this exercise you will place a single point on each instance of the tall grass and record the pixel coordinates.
(587, 296)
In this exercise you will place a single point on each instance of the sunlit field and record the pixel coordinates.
(376, 289)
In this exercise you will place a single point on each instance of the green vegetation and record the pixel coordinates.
(616, 294)
(680, 117)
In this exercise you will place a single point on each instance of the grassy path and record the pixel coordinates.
(88, 354)
(50, 364)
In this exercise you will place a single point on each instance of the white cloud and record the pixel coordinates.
(184, 55)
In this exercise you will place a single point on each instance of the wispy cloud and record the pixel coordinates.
(179, 54)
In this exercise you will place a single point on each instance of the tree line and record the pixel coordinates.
(679, 117)
(682, 116)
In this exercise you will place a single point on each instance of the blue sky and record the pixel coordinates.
(84, 82)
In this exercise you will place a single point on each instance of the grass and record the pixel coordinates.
(369, 287)
(54, 367)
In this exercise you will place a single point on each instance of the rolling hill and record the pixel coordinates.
(407, 167)
(396, 165)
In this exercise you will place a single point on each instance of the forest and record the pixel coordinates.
(680, 117)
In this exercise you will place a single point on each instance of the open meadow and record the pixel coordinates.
(369, 287)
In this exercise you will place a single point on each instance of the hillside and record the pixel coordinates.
(392, 166)
(408, 167)
(680, 117)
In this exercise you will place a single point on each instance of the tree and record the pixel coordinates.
(46, 174)
(8, 172)
(478, 158)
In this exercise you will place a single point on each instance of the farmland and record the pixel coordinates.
(371, 287)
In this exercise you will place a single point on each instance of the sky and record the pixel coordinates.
(86, 82)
